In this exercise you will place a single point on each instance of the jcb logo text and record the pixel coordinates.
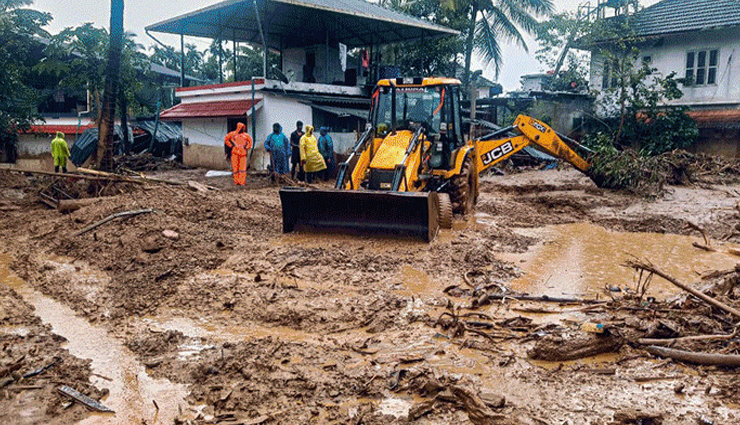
(497, 153)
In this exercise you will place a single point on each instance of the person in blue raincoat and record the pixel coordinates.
(278, 146)
(326, 148)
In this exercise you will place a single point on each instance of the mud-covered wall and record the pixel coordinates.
(718, 142)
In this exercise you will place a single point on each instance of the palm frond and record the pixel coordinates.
(503, 26)
(487, 45)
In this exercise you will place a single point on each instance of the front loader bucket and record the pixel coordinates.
(364, 211)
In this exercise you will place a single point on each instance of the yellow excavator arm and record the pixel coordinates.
(530, 131)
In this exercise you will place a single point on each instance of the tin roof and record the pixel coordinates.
(230, 108)
(355, 23)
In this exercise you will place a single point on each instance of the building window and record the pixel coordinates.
(609, 76)
(701, 67)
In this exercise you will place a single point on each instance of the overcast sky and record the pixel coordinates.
(140, 13)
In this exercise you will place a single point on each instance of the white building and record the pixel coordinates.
(208, 113)
(324, 89)
(699, 40)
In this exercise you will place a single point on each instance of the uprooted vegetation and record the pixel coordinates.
(648, 175)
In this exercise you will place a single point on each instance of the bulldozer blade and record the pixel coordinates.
(364, 211)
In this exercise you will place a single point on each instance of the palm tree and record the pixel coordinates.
(112, 75)
(491, 21)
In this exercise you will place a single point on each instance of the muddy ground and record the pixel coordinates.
(215, 316)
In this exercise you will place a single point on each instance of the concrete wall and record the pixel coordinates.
(294, 59)
(668, 55)
(206, 135)
(718, 142)
(34, 152)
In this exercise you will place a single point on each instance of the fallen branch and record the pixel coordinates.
(670, 341)
(706, 298)
(113, 217)
(696, 227)
(107, 177)
(700, 358)
(542, 298)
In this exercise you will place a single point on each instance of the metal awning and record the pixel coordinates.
(231, 108)
(300, 23)
(343, 112)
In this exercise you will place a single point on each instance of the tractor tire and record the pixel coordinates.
(445, 211)
(463, 190)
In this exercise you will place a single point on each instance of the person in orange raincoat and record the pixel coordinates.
(237, 144)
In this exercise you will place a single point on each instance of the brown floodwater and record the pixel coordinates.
(132, 390)
(583, 259)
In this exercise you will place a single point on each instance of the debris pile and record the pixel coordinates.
(647, 176)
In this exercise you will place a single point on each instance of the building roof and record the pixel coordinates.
(717, 119)
(676, 16)
(230, 108)
(53, 128)
(300, 23)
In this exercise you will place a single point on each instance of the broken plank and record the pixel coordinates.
(88, 402)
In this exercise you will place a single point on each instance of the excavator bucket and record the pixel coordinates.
(413, 214)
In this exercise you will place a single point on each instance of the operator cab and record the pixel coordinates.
(406, 104)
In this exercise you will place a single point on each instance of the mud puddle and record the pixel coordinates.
(585, 260)
(132, 391)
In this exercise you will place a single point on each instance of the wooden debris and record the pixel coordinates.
(637, 416)
(700, 358)
(669, 341)
(88, 402)
(541, 298)
(478, 412)
(709, 300)
(123, 214)
(69, 205)
(551, 348)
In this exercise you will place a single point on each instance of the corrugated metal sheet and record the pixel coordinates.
(232, 108)
(356, 23)
(538, 154)
(166, 131)
(86, 144)
(720, 119)
(338, 111)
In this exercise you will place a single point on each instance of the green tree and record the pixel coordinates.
(18, 26)
(169, 57)
(491, 21)
(77, 55)
(570, 66)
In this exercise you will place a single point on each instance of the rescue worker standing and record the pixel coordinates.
(237, 145)
(295, 158)
(278, 147)
(311, 160)
(326, 148)
(60, 152)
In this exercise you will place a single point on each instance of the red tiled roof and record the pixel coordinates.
(723, 118)
(221, 85)
(231, 108)
(66, 129)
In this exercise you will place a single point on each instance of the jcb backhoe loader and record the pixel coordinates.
(413, 166)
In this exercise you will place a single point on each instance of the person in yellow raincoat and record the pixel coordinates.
(311, 160)
(60, 152)
(237, 144)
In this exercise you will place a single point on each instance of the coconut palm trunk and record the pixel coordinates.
(104, 157)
